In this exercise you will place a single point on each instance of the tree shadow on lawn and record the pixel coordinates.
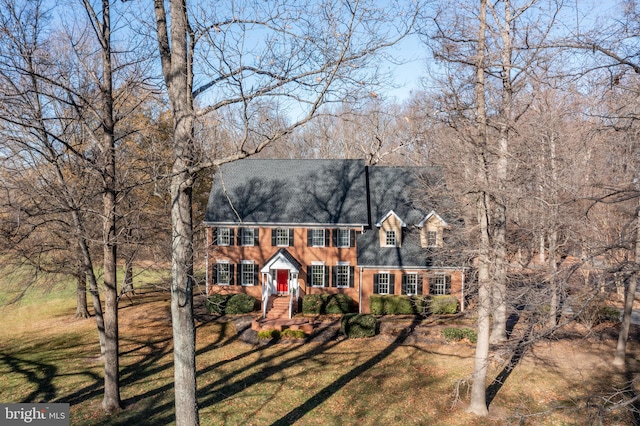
(38, 373)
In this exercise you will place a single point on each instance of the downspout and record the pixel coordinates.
(206, 262)
(360, 293)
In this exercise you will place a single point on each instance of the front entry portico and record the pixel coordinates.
(280, 277)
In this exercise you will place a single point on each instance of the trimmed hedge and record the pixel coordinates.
(356, 326)
(443, 304)
(396, 305)
(317, 304)
(231, 304)
(457, 334)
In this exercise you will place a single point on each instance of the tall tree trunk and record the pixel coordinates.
(552, 271)
(478, 402)
(176, 57)
(82, 309)
(499, 293)
(111, 400)
(629, 297)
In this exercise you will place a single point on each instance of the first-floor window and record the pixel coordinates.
(224, 273)
(441, 284)
(410, 284)
(317, 275)
(248, 273)
(383, 283)
(343, 275)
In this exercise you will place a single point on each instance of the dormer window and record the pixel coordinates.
(432, 238)
(390, 240)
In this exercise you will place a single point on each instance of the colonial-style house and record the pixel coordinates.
(290, 228)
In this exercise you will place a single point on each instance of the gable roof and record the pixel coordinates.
(289, 192)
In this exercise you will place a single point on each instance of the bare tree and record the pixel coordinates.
(310, 54)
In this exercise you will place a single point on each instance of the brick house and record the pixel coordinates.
(295, 227)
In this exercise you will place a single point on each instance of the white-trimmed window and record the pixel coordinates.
(225, 236)
(432, 238)
(224, 273)
(317, 274)
(317, 237)
(390, 239)
(440, 284)
(248, 272)
(410, 284)
(248, 236)
(343, 237)
(383, 283)
(282, 237)
(342, 275)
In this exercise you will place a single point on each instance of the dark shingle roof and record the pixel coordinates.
(397, 189)
(305, 192)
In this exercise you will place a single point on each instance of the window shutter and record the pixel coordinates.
(256, 236)
(290, 237)
(392, 279)
(239, 236)
(352, 238)
(309, 237)
(352, 272)
(214, 236)
(327, 237)
(334, 276)
(231, 276)
(274, 233)
(376, 283)
(231, 241)
(447, 284)
(404, 284)
(419, 290)
(326, 276)
(255, 274)
(214, 273)
(334, 237)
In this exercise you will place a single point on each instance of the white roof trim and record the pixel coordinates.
(431, 214)
(386, 216)
(280, 261)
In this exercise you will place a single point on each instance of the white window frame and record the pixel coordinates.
(432, 238)
(245, 240)
(219, 281)
(340, 276)
(314, 267)
(343, 238)
(317, 237)
(439, 284)
(224, 237)
(244, 266)
(414, 283)
(386, 275)
(390, 238)
(282, 237)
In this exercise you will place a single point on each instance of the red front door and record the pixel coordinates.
(282, 278)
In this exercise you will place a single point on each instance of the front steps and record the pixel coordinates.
(277, 317)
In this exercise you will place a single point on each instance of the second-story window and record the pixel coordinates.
(317, 237)
(225, 236)
(343, 238)
(282, 237)
(249, 236)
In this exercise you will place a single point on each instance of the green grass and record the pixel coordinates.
(48, 356)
